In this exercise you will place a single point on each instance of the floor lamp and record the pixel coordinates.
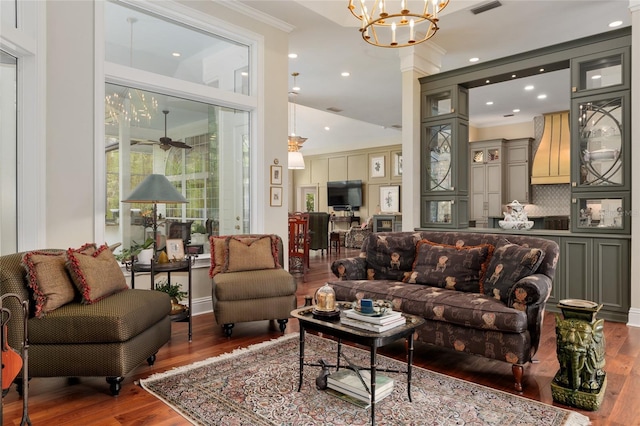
(155, 189)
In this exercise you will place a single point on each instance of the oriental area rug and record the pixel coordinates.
(258, 386)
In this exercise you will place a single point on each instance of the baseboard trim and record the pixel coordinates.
(634, 317)
(201, 305)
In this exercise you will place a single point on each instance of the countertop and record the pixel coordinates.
(534, 232)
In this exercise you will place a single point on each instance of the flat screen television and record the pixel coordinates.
(345, 194)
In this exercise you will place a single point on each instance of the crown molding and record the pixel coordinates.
(257, 15)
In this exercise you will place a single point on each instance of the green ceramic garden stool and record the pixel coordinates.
(581, 380)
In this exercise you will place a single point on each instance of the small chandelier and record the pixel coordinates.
(390, 23)
(295, 160)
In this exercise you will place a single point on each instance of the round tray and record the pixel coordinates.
(578, 303)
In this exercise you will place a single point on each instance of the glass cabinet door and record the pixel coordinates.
(445, 102)
(597, 73)
(438, 158)
(602, 151)
(601, 212)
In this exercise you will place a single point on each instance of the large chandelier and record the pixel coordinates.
(397, 23)
(295, 158)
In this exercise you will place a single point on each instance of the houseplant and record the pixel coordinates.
(173, 290)
(127, 254)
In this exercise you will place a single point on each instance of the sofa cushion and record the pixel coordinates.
(49, 279)
(248, 255)
(509, 264)
(116, 318)
(457, 267)
(389, 256)
(472, 310)
(96, 275)
(258, 284)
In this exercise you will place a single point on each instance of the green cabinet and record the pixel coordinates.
(596, 269)
(444, 171)
(387, 223)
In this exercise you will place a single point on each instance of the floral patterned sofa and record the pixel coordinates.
(479, 293)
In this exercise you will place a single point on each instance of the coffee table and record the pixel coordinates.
(367, 338)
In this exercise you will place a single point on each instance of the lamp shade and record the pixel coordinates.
(295, 161)
(155, 189)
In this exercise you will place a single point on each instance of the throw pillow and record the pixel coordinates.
(452, 267)
(249, 255)
(218, 248)
(49, 279)
(389, 257)
(96, 275)
(509, 264)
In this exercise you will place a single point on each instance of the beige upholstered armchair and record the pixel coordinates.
(102, 328)
(248, 281)
(357, 234)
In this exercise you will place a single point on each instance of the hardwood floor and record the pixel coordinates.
(86, 401)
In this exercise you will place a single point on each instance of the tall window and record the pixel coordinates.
(8, 142)
(200, 71)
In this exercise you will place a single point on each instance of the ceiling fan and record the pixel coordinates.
(165, 142)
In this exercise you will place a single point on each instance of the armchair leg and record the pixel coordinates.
(114, 384)
(227, 328)
(283, 324)
(151, 359)
(517, 370)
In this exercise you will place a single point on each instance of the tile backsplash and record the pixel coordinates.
(550, 200)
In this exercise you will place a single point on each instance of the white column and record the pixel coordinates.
(634, 311)
(415, 62)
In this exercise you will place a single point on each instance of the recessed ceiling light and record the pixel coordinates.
(542, 96)
(487, 81)
(296, 88)
(516, 110)
(513, 76)
(345, 74)
(596, 77)
(293, 55)
(176, 54)
(327, 128)
(490, 103)
(529, 87)
(541, 69)
(615, 24)
(244, 73)
(474, 59)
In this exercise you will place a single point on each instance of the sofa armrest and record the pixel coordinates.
(351, 268)
(530, 295)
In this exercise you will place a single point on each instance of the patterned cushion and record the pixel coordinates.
(509, 264)
(49, 279)
(456, 267)
(243, 255)
(389, 256)
(96, 275)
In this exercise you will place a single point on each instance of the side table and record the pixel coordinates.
(156, 268)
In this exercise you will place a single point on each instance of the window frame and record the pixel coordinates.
(107, 72)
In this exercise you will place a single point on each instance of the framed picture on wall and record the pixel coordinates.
(276, 196)
(175, 249)
(377, 166)
(397, 164)
(390, 199)
(276, 175)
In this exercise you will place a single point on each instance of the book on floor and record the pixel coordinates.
(378, 328)
(386, 318)
(348, 382)
(343, 396)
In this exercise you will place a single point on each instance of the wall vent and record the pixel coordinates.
(334, 109)
(485, 7)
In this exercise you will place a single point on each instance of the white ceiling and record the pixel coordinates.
(327, 41)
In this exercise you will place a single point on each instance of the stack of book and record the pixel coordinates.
(380, 323)
(346, 382)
